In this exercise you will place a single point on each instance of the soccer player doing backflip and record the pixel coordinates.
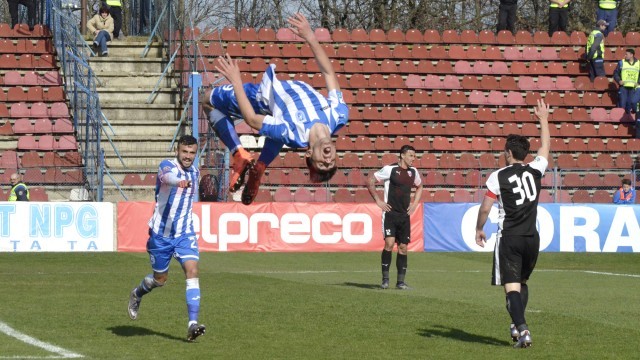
(285, 112)
(517, 189)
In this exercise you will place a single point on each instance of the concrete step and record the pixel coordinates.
(137, 96)
(147, 80)
(126, 65)
(118, 112)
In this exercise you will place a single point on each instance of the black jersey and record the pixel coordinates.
(517, 188)
(397, 186)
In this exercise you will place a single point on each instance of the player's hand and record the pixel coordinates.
(230, 69)
(300, 26)
(184, 184)
(481, 238)
(412, 208)
(542, 111)
(383, 205)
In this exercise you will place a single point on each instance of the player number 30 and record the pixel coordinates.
(528, 191)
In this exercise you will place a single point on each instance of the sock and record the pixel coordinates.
(146, 285)
(516, 310)
(225, 130)
(524, 294)
(193, 299)
(401, 265)
(386, 263)
(270, 151)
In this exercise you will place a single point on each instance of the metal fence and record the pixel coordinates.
(80, 87)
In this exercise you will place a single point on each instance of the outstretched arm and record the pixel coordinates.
(229, 68)
(542, 113)
(301, 27)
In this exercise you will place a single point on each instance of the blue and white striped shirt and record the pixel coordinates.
(295, 107)
(172, 216)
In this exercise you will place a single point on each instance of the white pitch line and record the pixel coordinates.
(301, 272)
(64, 354)
(593, 272)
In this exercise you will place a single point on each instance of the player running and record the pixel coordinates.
(517, 189)
(287, 112)
(171, 232)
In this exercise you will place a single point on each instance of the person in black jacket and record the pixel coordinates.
(507, 15)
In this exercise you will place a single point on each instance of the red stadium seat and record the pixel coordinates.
(581, 196)
(302, 195)
(602, 197)
(282, 194)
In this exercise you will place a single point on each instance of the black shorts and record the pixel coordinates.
(397, 225)
(514, 258)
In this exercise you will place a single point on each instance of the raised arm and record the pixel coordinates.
(542, 113)
(301, 27)
(229, 68)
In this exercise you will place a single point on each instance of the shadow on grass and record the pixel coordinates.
(127, 331)
(461, 335)
(361, 286)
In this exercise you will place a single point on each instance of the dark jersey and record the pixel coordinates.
(517, 188)
(397, 186)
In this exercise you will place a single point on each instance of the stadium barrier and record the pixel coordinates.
(56, 227)
(290, 227)
(562, 227)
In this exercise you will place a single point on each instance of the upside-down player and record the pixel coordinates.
(287, 112)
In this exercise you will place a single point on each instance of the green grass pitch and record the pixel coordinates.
(318, 306)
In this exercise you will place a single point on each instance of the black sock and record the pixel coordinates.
(524, 294)
(386, 263)
(515, 309)
(401, 265)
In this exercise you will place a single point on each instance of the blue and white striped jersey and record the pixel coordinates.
(295, 107)
(172, 216)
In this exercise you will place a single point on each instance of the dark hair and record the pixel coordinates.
(187, 140)
(405, 148)
(626, 182)
(318, 176)
(104, 10)
(631, 51)
(519, 146)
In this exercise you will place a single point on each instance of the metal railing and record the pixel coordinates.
(80, 87)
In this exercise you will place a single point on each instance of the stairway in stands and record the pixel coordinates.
(143, 126)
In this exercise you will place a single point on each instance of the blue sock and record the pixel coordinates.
(270, 151)
(193, 299)
(225, 130)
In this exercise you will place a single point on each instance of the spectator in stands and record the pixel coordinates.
(626, 194)
(608, 11)
(397, 207)
(595, 50)
(31, 12)
(115, 7)
(19, 190)
(145, 13)
(287, 112)
(101, 26)
(627, 75)
(172, 233)
(558, 15)
(507, 15)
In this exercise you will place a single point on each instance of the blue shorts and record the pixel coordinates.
(162, 249)
(223, 98)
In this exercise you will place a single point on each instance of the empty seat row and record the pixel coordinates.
(33, 94)
(416, 36)
(53, 176)
(47, 143)
(27, 61)
(10, 159)
(32, 78)
(26, 46)
(592, 180)
(36, 110)
(140, 180)
(43, 126)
